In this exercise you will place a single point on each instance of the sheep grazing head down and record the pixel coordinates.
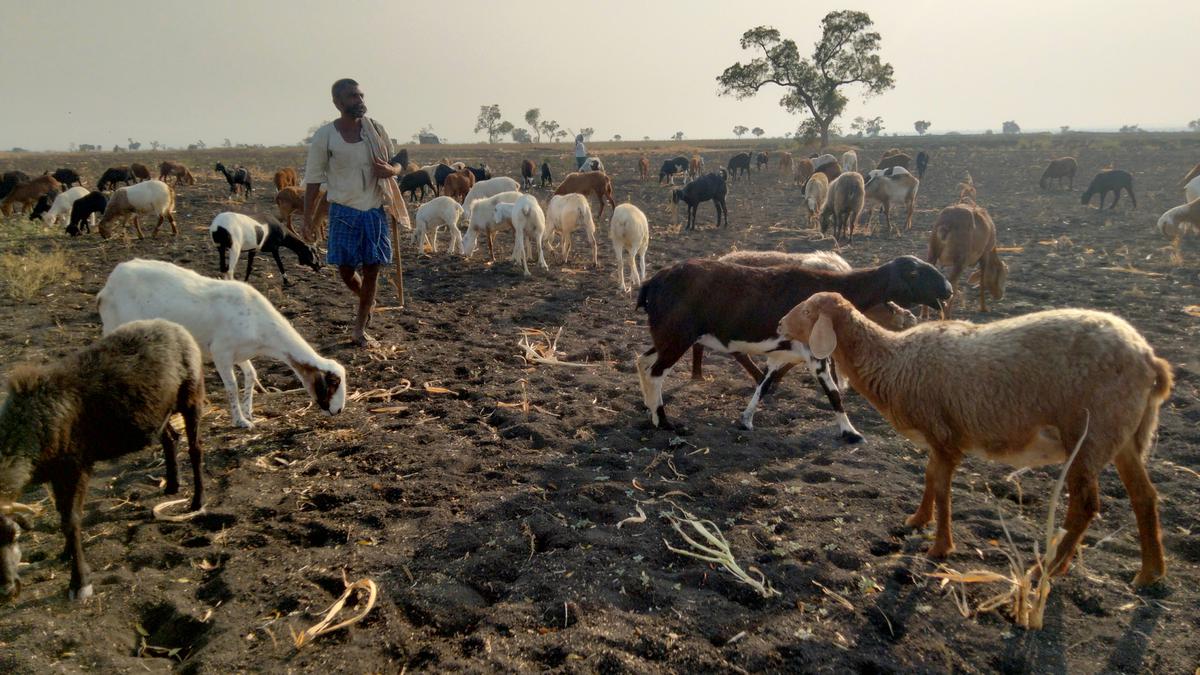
(326, 385)
(310, 257)
(11, 525)
(995, 279)
(912, 281)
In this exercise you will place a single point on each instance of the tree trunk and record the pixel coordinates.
(825, 132)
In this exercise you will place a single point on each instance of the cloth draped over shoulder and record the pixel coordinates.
(393, 200)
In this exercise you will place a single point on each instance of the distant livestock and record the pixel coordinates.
(1058, 169)
(1112, 181)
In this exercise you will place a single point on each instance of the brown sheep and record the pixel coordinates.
(965, 235)
(589, 183)
(830, 167)
(290, 200)
(459, 183)
(966, 190)
(695, 166)
(896, 158)
(803, 171)
(175, 171)
(140, 171)
(785, 163)
(643, 167)
(285, 177)
(26, 194)
(1063, 167)
(843, 205)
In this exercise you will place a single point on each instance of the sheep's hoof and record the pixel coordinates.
(81, 594)
(917, 520)
(938, 551)
(1146, 578)
(852, 437)
(746, 423)
(243, 423)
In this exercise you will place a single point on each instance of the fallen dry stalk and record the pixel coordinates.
(717, 551)
(159, 512)
(545, 352)
(323, 627)
(381, 394)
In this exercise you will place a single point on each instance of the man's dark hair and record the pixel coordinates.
(341, 86)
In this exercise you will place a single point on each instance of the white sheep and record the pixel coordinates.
(152, 197)
(1025, 391)
(849, 161)
(567, 213)
(1181, 220)
(230, 320)
(62, 205)
(1191, 191)
(630, 234)
(434, 214)
(529, 226)
(487, 188)
(816, 190)
(483, 223)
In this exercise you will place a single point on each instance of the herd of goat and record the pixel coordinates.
(847, 326)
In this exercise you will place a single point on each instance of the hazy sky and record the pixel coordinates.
(259, 72)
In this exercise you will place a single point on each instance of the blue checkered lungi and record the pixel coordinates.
(358, 237)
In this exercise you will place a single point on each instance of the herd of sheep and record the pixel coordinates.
(848, 326)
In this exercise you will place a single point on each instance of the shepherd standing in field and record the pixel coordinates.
(580, 152)
(349, 155)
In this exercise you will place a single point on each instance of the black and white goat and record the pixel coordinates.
(239, 178)
(236, 232)
(677, 166)
(735, 309)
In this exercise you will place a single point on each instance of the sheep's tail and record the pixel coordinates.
(647, 294)
(1163, 380)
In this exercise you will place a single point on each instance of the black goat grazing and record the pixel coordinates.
(10, 181)
(484, 172)
(84, 211)
(1110, 181)
(709, 187)
(67, 177)
(736, 309)
(409, 183)
(269, 237)
(760, 160)
(240, 176)
(113, 175)
(740, 161)
(673, 167)
(43, 205)
(922, 164)
(547, 179)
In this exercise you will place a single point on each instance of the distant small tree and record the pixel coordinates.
(489, 121)
(550, 129)
(587, 132)
(787, 134)
(758, 132)
(740, 130)
(521, 135)
(72, 147)
(1010, 127)
(134, 145)
(1194, 125)
(921, 126)
(870, 127)
(617, 137)
(1064, 129)
(155, 145)
(201, 145)
(1130, 129)
(532, 117)
(988, 132)
(678, 136)
(645, 138)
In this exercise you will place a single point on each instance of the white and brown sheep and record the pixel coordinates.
(151, 198)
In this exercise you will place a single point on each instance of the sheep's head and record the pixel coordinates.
(812, 322)
(310, 257)
(912, 281)
(994, 280)
(11, 525)
(326, 384)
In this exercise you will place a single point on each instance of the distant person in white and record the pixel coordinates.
(580, 152)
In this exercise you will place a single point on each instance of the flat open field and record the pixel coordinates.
(491, 526)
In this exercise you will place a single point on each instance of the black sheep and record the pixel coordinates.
(547, 179)
(1110, 181)
(709, 187)
(740, 161)
(113, 175)
(238, 177)
(761, 160)
(82, 210)
(409, 183)
(675, 165)
(439, 177)
(43, 205)
(67, 177)
(922, 164)
(484, 172)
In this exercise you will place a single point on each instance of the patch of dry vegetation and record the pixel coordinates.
(23, 275)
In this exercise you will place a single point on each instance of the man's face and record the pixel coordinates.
(351, 101)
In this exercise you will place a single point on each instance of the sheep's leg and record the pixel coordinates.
(1116, 198)
(642, 260)
(654, 375)
(823, 370)
(541, 251)
(1144, 500)
(1082, 507)
(456, 240)
(774, 368)
(249, 264)
(229, 379)
(619, 253)
(249, 381)
(191, 425)
(69, 491)
(591, 235)
(138, 227)
(168, 438)
(491, 238)
(938, 473)
(1131, 197)
(279, 264)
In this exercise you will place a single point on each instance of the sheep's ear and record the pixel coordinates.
(823, 340)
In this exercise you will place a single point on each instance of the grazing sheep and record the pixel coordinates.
(26, 194)
(411, 182)
(1024, 391)
(441, 171)
(527, 169)
(113, 175)
(630, 235)
(67, 177)
(592, 164)
(1110, 181)
(890, 186)
(676, 166)
(41, 207)
(239, 179)
(893, 158)
(529, 226)
(482, 221)
(843, 206)
(84, 210)
(487, 188)
(178, 173)
(236, 232)
(710, 187)
(644, 168)
(739, 162)
(458, 184)
(290, 201)
(850, 161)
(152, 197)
(567, 213)
(761, 159)
(816, 190)
(10, 179)
(63, 203)
(590, 183)
(436, 213)
(964, 235)
(286, 177)
(1181, 220)
(922, 164)
(231, 321)
(547, 178)
(110, 399)
(1058, 169)
(140, 171)
(828, 165)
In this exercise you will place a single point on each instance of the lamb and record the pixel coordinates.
(1192, 190)
(591, 183)
(630, 235)
(152, 197)
(1058, 169)
(843, 205)
(140, 171)
(761, 159)
(231, 321)
(236, 232)
(63, 203)
(711, 187)
(111, 399)
(567, 213)
(922, 164)
(67, 177)
(695, 167)
(644, 168)
(1190, 175)
(739, 162)
(592, 164)
(547, 178)
(285, 177)
(482, 221)
(892, 186)
(893, 158)
(676, 166)
(178, 173)
(436, 213)
(113, 175)
(529, 225)
(239, 179)
(965, 235)
(527, 169)
(487, 188)
(1181, 220)
(290, 201)
(410, 182)
(27, 193)
(1110, 181)
(457, 185)
(84, 210)
(736, 309)
(850, 161)
(815, 192)
(1025, 391)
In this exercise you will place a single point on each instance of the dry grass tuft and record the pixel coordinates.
(23, 275)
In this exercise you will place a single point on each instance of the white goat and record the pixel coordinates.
(487, 188)
(434, 214)
(529, 225)
(62, 205)
(567, 213)
(152, 197)
(1191, 191)
(230, 320)
(849, 161)
(630, 234)
(482, 224)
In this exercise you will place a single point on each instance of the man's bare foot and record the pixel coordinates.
(362, 339)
